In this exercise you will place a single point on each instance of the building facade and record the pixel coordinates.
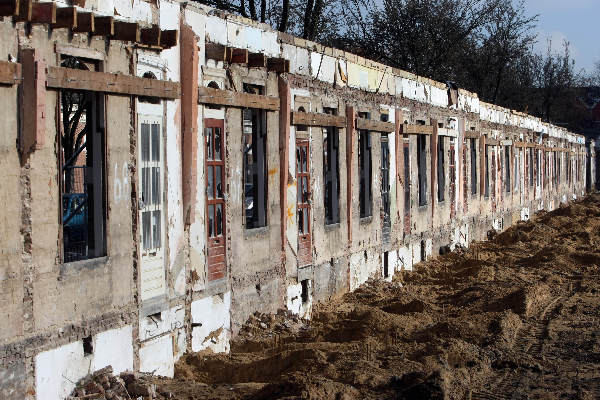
(172, 169)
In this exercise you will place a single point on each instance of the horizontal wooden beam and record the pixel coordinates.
(491, 142)
(168, 38)
(43, 13)
(126, 31)
(68, 78)
(104, 26)
(238, 56)
(279, 65)
(374, 125)
(215, 51)
(229, 98)
(318, 119)
(24, 10)
(9, 7)
(10, 73)
(257, 60)
(85, 23)
(472, 135)
(417, 129)
(150, 36)
(447, 132)
(66, 17)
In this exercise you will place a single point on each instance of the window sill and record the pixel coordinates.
(75, 267)
(332, 227)
(256, 232)
(366, 220)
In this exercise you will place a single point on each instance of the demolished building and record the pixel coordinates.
(172, 169)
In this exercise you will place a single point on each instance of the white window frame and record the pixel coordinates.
(152, 260)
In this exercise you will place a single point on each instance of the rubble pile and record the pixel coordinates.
(103, 385)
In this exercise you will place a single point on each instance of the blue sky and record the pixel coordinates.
(577, 21)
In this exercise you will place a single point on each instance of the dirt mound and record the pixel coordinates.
(512, 318)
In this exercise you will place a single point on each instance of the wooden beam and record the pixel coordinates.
(104, 26)
(32, 101)
(492, 142)
(43, 13)
(257, 60)
(318, 119)
(9, 7)
(66, 17)
(375, 126)
(85, 23)
(417, 129)
(24, 10)
(68, 78)
(237, 99)
(10, 73)
(150, 36)
(215, 51)
(126, 31)
(168, 38)
(472, 135)
(238, 56)
(279, 65)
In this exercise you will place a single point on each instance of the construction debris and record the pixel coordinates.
(512, 318)
(103, 385)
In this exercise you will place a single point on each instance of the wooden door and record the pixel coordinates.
(215, 200)
(303, 201)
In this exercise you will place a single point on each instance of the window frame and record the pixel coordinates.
(259, 136)
(97, 210)
(153, 252)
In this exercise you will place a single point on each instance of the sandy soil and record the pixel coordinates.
(517, 317)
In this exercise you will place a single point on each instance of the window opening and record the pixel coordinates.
(365, 171)
(386, 272)
(422, 168)
(507, 167)
(305, 288)
(151, 184)
(406, 153)
(331, 171)
(82, 161)
(441, 168)
(88, 346)
(537, 168)
(487, 173)
(255, 163)
(473, 146)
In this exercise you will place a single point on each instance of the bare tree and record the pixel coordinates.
(427, 37)
(554, 76)
(507, 39)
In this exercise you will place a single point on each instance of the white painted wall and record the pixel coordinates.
(58, 370)
(212, 314)
(156, 356)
